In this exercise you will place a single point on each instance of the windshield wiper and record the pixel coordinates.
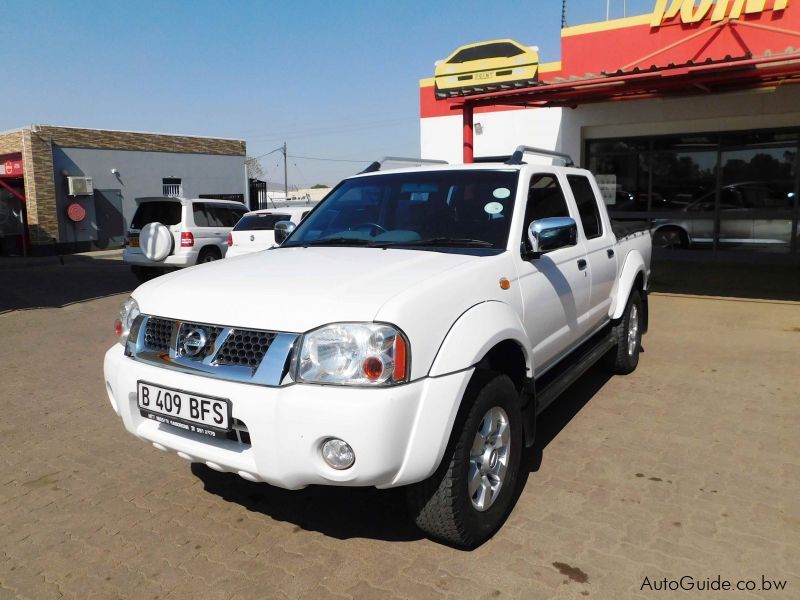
(331, 241)
(441, 241)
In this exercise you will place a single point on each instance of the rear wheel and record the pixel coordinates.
(467, 499)
(624, 358)
(671, 238)
(208, 255)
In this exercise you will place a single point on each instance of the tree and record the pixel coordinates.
(254, 169)
(320, 186)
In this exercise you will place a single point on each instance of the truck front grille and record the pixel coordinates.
(157, 334)
(244, 347)
(236, 354)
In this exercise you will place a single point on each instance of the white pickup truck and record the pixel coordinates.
(407, 333)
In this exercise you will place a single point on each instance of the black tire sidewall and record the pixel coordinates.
(631, 361)
(481, 525)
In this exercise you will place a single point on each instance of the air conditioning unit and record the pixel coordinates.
(80, 186)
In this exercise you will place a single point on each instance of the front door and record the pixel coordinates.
(555, 287)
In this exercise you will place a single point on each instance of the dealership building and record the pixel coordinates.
(689, 116)
(65, 189)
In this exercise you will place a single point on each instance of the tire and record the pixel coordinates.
(671, 237)
(208, 255)
(441, 505)
(624, 357)
(156, 241)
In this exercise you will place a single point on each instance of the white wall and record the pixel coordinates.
(565, 129)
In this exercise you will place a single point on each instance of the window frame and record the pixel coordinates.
(599, 217)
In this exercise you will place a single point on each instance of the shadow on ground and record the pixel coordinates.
(345, 513)
(55, 285)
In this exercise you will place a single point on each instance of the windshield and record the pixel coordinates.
(444, 209)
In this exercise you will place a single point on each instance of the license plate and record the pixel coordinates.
(134, 242)
(189, 411)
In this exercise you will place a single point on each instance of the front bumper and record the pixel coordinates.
(398, 434)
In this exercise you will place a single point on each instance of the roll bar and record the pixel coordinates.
(376, 166)
(516, 158)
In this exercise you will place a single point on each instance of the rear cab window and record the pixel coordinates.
(165, 212)
(586, 201)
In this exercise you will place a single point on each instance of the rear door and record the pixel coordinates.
(554, 287)
(600, 244)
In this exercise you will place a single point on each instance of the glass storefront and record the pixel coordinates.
(724, 191)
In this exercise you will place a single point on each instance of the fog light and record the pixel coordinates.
(338, 454)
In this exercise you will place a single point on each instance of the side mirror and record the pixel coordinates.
(282, 231)
(551, 233)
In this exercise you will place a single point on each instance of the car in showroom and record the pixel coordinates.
(406, 333)
(255, 231)
(751, 214)
(172, 233)
(486, 66)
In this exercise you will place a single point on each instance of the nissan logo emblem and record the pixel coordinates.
(194, 342)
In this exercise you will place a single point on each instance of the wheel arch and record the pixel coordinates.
(633, 276)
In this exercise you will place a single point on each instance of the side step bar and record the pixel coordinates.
(577, 364)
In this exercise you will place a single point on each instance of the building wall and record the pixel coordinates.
(566, 129)
(139, 174)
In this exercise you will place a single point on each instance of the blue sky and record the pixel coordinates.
(334, 79)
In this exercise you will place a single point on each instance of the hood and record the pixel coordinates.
(293, 289)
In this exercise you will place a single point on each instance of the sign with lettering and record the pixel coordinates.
(690, 11)
(11, 168)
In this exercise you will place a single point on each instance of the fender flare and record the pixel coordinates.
(634, 264)
(477, 331)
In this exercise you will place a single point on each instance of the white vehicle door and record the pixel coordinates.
(599, 241)
(202, 231)
(554, 287)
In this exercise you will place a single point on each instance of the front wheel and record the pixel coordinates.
(467, 499)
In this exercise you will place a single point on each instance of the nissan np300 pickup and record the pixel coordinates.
(406, 333)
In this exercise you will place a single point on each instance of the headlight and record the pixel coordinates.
(369, 354)
(127, 315)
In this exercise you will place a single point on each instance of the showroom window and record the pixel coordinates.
(725, 191)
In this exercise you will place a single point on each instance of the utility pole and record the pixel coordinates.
(285, 175)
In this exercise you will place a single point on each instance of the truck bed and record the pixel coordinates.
(623, 229)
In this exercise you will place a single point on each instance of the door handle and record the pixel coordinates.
(610, 253)
(581, 264)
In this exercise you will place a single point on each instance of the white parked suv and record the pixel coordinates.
(255, 231)
(178, 232)
(424, 317)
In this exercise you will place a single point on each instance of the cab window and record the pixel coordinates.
(587, 206)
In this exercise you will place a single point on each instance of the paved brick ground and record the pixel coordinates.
(690, 466)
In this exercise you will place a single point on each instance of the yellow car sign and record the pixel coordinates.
(487, 66)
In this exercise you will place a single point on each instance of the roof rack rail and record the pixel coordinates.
(516, 158)
(376, 166)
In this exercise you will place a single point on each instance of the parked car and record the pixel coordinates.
(497, 64)
(407, 333)
(256, 230)
(178, 232)
(744, 217)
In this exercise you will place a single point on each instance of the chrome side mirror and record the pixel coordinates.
(551, 233)
(282, 230)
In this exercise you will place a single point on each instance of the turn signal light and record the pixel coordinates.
(399, 358)
(230, 239)
(373, 368)
(187, 239)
